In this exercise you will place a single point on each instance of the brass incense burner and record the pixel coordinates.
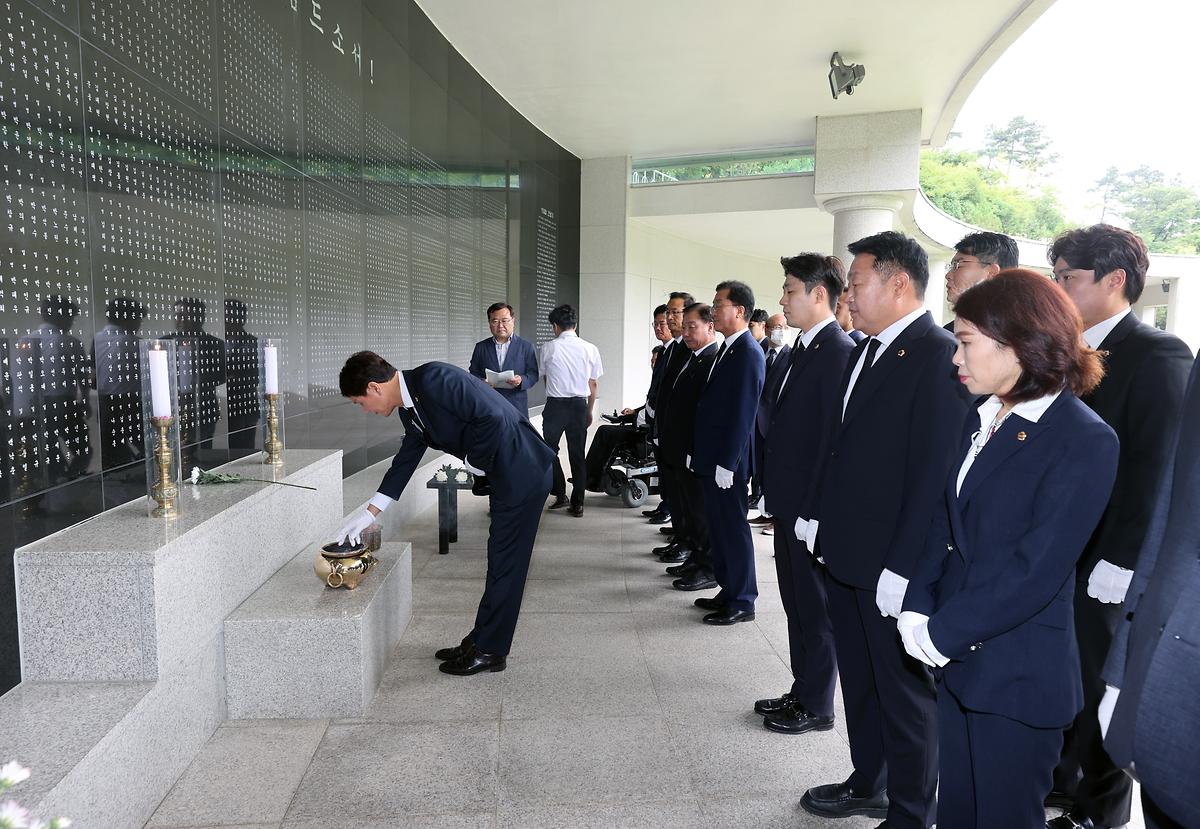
(345, 565)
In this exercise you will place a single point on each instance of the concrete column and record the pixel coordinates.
(858, 216)
(604, 295)
(1183, 311)
(935, 293)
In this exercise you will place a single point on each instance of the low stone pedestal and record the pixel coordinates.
(298, 649)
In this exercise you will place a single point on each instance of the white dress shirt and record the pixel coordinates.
(1031, 410)
(806, 339)
(886, 337)
(569, 362)
(501, 351)
(1095, 335)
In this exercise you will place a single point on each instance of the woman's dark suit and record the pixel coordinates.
(997, 581)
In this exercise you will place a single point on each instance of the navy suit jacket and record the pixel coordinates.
(800, 419)
(998, 575)
(521, 358)
(726, 410)
(462, 416)
(1153, 659)
(771, 381)
(887, 458)
(1145, 373)
(679, 408)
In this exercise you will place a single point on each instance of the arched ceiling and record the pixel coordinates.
(662, 78)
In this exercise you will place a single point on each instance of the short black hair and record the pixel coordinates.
(499, 306)
(815, 269)
(564, 317)
(658, 349)
(363, 368)
(701, 309)
(1103, 248)
(759, 315)
(896, 252)
(739, 294)
(662, 309)
(990, 248)
(684, 295)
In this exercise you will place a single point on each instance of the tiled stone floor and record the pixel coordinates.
(618, 709)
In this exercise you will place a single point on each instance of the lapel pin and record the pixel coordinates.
(818, 345)
(900, 353)
(1020, 436)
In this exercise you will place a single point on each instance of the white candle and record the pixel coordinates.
(160, 389)
(271, 368)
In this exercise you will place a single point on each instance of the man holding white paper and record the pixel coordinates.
(504, 361)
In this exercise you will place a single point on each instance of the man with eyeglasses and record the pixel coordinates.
(977, 256)
(505, 351)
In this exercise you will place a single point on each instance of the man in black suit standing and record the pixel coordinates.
(777, 353)
(444, 408)
(977, 256)
(1103, 268)
(668, 365)
(804, 406)
(1152, 671)
(721, 454)
(679, 409)
(885, 468)
(505, 351)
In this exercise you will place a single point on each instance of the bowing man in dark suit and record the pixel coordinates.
(884, 470)
(721, 454)
(1153, 670)
(804, 408)
(505, 351)
(777, 353)
(679, 409)
(1103, 270)
(990, 602)
(444, 408)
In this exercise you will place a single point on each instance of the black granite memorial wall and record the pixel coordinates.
(330, 175)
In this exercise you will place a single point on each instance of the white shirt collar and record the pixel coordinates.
(569, 333)
(1031, 410)
(406, 399)
(889, 334)
(711, 342)
(507, 342)
(730, 338)
(678, 339)
(811, 334)
(1095, 335)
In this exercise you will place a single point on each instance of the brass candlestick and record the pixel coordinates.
(164, 490)
(272, 446)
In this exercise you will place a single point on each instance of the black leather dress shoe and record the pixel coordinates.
(667, 549)
(659, 519)
(1060, 800)
(455, 652)
(728, 616)
(575, 510)
(684, 570)
(700, 581)
(559, 502)
(709, 603)
(836, 800)
(473, 661)
(772, 705)
(667, 530)
(1070, 821)
(680, 554)
(795, 720)
(656, 511)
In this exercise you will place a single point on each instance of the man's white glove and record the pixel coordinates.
(907, 624)
(1108, 583)
(641, 417)
(724, 478)
(352, 530)
(688, 462)
(802, 530)
(921, 634)
(1107, 704)
(889, 593)
(473, 470)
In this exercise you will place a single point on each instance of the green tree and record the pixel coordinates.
(1166, 214)
(1106, 186)
(967, 190)
(1021, 142)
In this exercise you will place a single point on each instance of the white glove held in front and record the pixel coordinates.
(724, 478)
(1108, 582)
(1107, 704)
(352, 530)
(889, 593)
(907, 624)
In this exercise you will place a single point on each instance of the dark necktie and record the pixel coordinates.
(771, 359)
(872, 348)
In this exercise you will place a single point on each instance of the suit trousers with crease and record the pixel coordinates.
(690, 497)
(731, 541)
(810, 632)
(891, 708)
(510, 544)
(669, 477)
(567, 414)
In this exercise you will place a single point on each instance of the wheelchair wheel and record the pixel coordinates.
(635, 493)
(608, 485)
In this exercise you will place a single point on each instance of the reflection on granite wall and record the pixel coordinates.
(330, 175)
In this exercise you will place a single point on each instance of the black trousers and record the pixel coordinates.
(1101, 791)
(810, 631)
(995, 772)
(689, 496)
(670, 483)
(732, 544)
(606, 440)
(510, 544)
(891, 708)
(567, 414)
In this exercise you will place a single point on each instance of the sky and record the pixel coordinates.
(1113, 83)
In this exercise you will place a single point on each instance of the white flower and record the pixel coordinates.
(12, 816)
(440, 475)
(13, 773)
(195, 474)
(461, 476)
